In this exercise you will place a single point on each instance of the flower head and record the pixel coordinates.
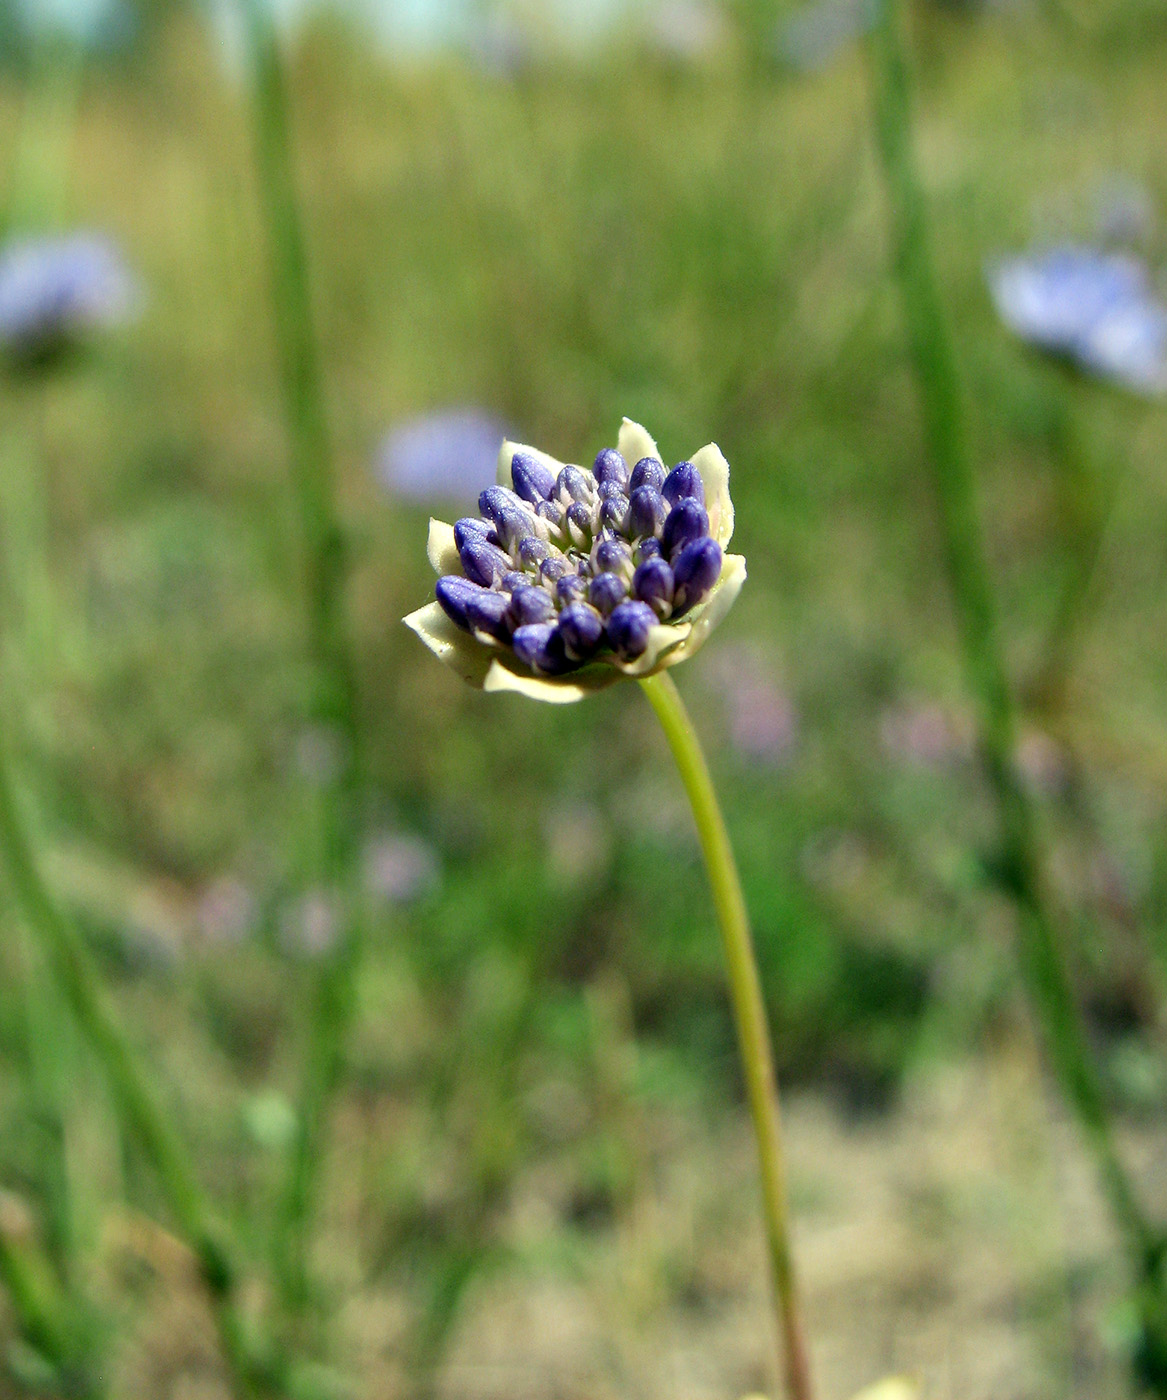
(572, 578)
(440, 456)
(54, 288)
(1096, 308)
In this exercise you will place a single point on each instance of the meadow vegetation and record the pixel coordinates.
(539, 1092)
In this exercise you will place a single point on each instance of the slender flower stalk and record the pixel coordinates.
(1089, 498)
(1018, 867)
(45, 1289)
(47, 1320)
(49, 1041)
(749, 1012)
(135, 1095)
(333, 703)
(38, 185)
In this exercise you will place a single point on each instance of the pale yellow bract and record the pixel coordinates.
(489, 665)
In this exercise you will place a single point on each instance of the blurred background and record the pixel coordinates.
(529, 219)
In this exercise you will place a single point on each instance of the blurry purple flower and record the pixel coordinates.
(685, 30)
(442, 456)
(500, 47)
(763, 723)
(1043, 764)
(226, 911)
(811, 38)
(1096, 308)
(922, 734)
(399, 868)
(310, 928)
(55, 288)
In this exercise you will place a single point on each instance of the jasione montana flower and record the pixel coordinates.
(572, 579)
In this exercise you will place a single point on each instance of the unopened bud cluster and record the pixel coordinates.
(565, 568)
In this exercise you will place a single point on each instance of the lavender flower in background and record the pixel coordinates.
(924, 735)
(400, 868)
(763, 723)
(814, 36)
(1098, 309)
(310, 928)
(686, 31)
(500, 47)
(445, 456)
(227, 912)
(56, 289)
(1044, 765)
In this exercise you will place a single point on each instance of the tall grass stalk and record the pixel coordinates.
(46, 1293)
(333, 703)
(1089, 492)
(749, 1012)
(47, 1321)
(134, 1094)
(1018, 869)
(37, 182)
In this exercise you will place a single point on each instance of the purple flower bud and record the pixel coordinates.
(614, 513)
(530, 603)
(540, 647)
(608, 490)
(487, 612)
(515, 579)
(646, 511)
(550, 511)
(453, 593)
(573, 485)
(484, 563)
(580, 524)
(511, 517)
(610, 467)
(683, 483)
(606, 591)
(532, 551)
(695, 570)
(553, 569)
(533, 482)
(649, 471)
(628, 629)
(581, 628)
(652, 583)
(571, 589)
(470, 526)
(687, 521)
(613, 557)
(648, 548)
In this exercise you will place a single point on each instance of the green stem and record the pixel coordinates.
(134, 1095)
(46, 1319)
(1088, 494)
(38, 183)
(1046, 977)
(301, 380)
(749, 1016)
(334, 699)
(49, 1043)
